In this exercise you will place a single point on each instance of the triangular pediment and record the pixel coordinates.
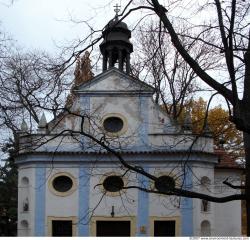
(113, 80)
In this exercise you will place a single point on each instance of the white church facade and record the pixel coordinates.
(71, 185)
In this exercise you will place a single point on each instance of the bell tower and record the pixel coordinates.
(116, 47)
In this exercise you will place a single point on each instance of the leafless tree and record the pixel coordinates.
(229, 24)
(27, 84)
(173, 79)
(228, 28)
(229, 31)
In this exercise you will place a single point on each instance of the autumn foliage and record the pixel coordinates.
(216, 118)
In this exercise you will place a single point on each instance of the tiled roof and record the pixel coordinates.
(226, 160)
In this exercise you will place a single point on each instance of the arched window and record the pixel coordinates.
(205, 228)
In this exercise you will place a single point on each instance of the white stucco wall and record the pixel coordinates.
(58, 206)
(199, 171)
(160, 136)
(124, 204)
(26, 191)
(227, 215)
(163, 205)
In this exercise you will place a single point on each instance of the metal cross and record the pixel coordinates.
(117, 9)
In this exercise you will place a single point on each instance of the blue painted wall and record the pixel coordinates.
(143, 129)
(40, 187)
(85, 110)
(143, 206)
(187, 207)
(83, 216)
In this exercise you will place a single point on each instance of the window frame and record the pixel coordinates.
(155, 218)
(112, 194)
(116, 115)
(54, 218)
(132, 220)
(62, 194)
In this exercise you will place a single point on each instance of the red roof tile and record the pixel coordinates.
(226, 160)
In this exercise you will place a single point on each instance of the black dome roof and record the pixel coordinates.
(116, 33)
(114, 23)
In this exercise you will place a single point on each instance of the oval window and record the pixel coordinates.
(165, 183)
(113, 184)
(113, 124)
(62, 183)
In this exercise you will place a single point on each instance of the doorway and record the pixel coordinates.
(61, 228)
(164, 228)
(113, 228)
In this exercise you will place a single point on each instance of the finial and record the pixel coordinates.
(187, 124)
(207, 131)
(24, 126)
(117, 9)
(43, 122)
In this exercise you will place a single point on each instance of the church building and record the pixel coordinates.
(74, 178)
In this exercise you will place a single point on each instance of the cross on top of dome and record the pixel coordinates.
(117, 9)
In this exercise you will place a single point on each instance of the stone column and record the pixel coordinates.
(110, 58)
(104, 62)
(127, 63)
(120, 59)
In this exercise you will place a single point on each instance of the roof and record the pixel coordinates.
(142, 85)
(130, 156)
(101, 152)
(226, 160)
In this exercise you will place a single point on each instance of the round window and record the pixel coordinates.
(165, 183)
(113, 124)
(62, 183)
(113, 183)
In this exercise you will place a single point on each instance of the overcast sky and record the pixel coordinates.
(44, 23)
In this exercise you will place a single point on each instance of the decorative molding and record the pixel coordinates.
(135, 157)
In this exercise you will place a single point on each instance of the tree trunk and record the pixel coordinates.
(247, 184)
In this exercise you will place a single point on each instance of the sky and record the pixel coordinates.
(46, 24)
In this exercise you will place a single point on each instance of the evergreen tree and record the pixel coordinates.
(8, 193)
